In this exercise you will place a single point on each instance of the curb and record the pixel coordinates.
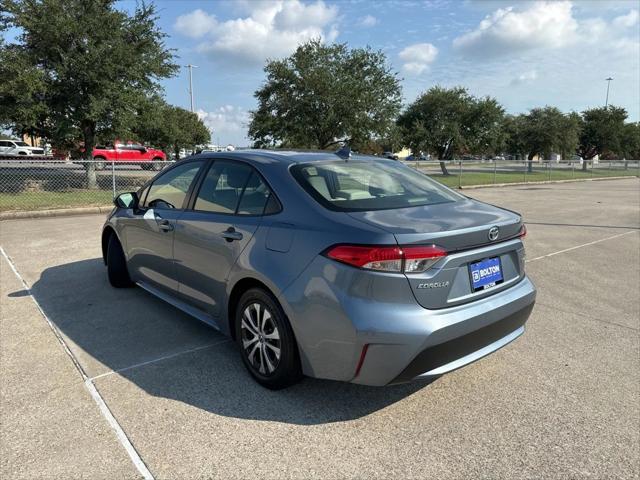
(62, 212)
(543, 182)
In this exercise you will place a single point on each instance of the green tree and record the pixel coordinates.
(449, 122)
(169, 127)
(95, 62)
(569, 134)
(602, 131)
(631, 141)
(323, 95)
(514, 135)
(186, 130)
(543, 131)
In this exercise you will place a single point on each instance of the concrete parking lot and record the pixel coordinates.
(145, 391)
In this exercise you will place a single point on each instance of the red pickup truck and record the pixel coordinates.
(130, 153)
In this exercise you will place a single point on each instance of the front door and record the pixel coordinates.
(209, 238)
(149, 233)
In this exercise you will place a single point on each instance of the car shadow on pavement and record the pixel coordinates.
(183, 359)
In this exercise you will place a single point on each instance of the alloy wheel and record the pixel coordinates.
(260, 338)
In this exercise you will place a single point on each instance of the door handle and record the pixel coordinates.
(165, 225)
(230, 234)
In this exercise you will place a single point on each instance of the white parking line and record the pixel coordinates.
(93, 391)
(579, 246)
(160, 359)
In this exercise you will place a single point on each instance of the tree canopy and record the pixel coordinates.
(602, 131)
(450, 121)
(168, 127)
(543, 131)
(81, 67)
(324, 94)
(630, 144)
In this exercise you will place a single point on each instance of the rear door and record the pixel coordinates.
(149, 233)
(225, 214)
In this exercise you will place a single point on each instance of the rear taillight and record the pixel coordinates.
(410, 259)
(523, 231)
(385, 259)
(421, 258)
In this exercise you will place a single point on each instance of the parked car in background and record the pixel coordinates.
(351, 268)
(390, 155)
(414, 158)
(19, 148)
(130, 153)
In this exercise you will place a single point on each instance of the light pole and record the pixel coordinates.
(606, 102)
(191, 67)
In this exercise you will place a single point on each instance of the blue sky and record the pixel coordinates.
(524, 53)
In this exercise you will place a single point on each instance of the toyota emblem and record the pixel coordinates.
(494, 232)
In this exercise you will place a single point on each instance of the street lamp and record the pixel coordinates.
(191, 67)
(606, 102)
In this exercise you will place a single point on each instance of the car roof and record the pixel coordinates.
(286, 157)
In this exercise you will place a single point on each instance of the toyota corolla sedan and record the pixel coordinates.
(349, 268)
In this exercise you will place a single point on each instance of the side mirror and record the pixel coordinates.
(126, 200)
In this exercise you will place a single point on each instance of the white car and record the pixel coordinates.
(17, 147)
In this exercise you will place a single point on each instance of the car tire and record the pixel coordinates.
(117, 265)
(266, 341)
(156, 166)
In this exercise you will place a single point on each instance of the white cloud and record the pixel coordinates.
(271, 30)
(541, 25)
(227, 123)
(195, 24)
(368, 21)
(526, 59)
(417, 57)
(525, 77)
(626, 21)
(295, 15)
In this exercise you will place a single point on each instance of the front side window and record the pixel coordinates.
(233, 188)
(170, 190)
(359, 185)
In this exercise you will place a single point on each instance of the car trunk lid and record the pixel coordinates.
(463, 229)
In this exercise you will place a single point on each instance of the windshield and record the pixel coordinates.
(358, 185)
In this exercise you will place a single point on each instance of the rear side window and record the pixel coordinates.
(234, 188)
(360, 185)
(170, 189)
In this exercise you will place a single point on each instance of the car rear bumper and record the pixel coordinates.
(458, 352)
(451, 338)
(334, 317)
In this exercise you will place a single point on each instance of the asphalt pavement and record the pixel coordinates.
(145, 390)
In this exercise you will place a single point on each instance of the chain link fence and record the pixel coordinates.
(32, 184)
(463, 173)
(51, 184)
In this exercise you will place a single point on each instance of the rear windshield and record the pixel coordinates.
(358, 185)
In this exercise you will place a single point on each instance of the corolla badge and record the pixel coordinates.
(433, 285)
(494, 233)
